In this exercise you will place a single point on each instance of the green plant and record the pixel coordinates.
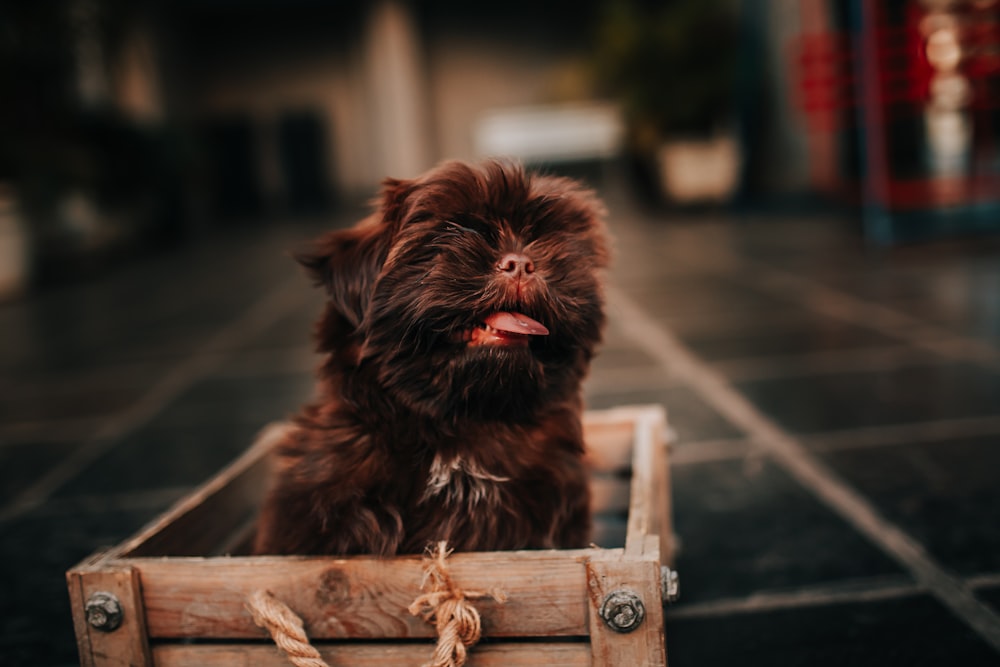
(671, 65)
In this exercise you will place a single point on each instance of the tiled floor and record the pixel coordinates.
(836, 480)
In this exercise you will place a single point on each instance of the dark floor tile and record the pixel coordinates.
(232, 399)
(36, 549)
(990, 596)
(294, 329)
(908, 631)
(901, 395)
(71, 402)
(194, 437)
(689, 416)
(809, 335)
(945, 494)
(156, 458)
(621, 356)
(749, 529)
(674, 301)
(23, 463)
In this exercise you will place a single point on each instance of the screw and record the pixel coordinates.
(670, 585)
(104, 611)
(623, 611)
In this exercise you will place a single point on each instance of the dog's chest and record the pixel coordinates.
(458, 481)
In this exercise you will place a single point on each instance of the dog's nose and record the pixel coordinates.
(514, 264)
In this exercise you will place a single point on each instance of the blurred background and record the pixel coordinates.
(806, 200)
(132, 125)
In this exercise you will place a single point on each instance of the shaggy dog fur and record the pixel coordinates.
(461, 319)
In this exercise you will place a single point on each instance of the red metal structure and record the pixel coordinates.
(909, 92)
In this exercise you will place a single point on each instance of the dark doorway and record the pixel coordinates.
(302, 144)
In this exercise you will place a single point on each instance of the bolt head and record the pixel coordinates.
(623, 611)
(104, 611)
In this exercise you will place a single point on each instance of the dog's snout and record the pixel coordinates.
(515, 264)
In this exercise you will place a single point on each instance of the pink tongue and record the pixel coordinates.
(516, 323)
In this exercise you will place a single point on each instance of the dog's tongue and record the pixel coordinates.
(516, 323)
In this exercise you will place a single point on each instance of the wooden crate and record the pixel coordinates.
(182, 597)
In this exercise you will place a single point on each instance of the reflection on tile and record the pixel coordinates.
(915, 632)
(944, 494)
(749, 528)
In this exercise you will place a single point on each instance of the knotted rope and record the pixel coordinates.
(448, 608)
(285, 628)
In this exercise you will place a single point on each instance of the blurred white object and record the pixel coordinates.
(558, 133)
(700, 170)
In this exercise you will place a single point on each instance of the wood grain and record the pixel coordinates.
(128, 645)
(644, 645)
(363, 597)
(568, 654)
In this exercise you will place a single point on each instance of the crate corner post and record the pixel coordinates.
(108, 613)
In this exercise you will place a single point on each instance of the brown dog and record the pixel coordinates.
(461, 320)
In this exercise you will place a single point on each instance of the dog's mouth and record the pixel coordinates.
(505, 329)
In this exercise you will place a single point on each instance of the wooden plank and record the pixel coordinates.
(662, 490)
(128, 644)
(644, 645)
(535, 654)
(644, 510)
(363, 597)
(213, 517)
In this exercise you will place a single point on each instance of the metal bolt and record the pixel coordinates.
(104, 611)
(670, 584)
(623, 611)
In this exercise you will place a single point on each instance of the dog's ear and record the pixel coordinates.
(348, 262)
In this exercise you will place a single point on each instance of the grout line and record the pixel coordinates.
(253, 364)
(832, 362)
(51, 431)
(817, 596)
(710, 451)
(898, 434)
(264, 312)
(152, 499)
(810, 472)
(688, 452)
(763, 601)
(988, 580)
(843, 306)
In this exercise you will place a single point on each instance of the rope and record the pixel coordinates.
(285, 628)
(447, 608)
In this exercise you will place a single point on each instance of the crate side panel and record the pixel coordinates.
(645, 510)
(363, 597)
(535, 654)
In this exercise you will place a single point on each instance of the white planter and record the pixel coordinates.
(699, 171)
